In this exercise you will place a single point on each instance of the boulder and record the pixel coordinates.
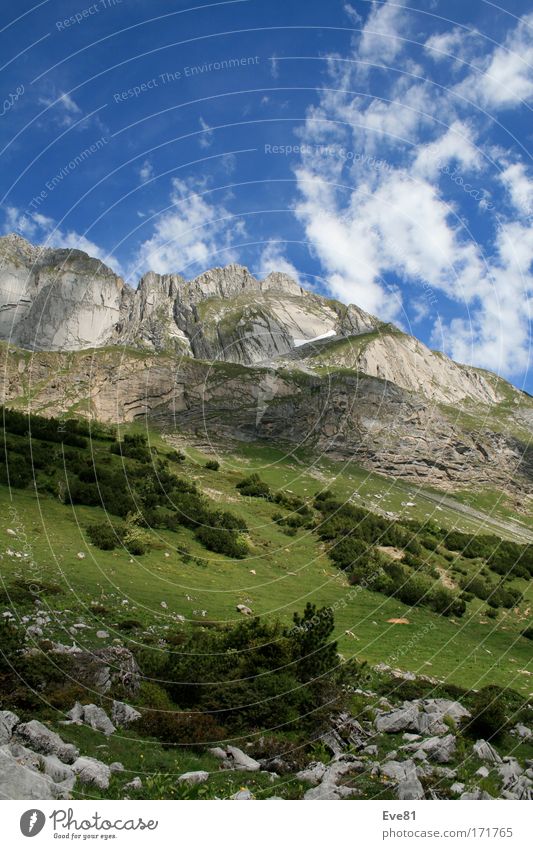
(197, 777)
(123, 714)
(105, 668)
(486, 752)
(476, 793)
(509, 771)
(97, 718)
(217, 752)
(421, 716)
(401, 719)
(522, 731)
(246, 611)
(134, 784)
(457, 787)
(438, 749)
(18, 781)
(8, 720)
(115, 767)
(410, 788)
(313, 773)
(242, 761)
(41, 739)
(91, 771)
(398, 770)
(242, 796)
(75, 714)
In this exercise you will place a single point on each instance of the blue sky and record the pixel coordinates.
(376, 151)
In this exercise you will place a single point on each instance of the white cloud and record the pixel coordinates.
(273, 259)
(519, 187)
(456, 44)
(352, 13)
(206, 138)
(195, 235)
(505, 78)
(43, 230)
(146, 171)
(456, 144)
(379, 38)
(382, 227)
(65, 108)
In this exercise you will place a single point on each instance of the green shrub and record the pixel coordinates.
(106, 537)
(134, 446)
(254, 487)
(213, 465)
(175, 456)
(489, 714)
(177, 728)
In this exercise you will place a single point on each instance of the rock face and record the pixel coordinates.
(55, 299)
(252, 360)
(64, 300)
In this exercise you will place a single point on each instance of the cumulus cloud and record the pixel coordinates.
(42, 229)
(194, 234)
(505, 76)
(387, 222)
(273, 259)
(146, 171)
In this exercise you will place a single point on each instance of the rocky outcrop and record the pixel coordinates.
(64, 300)
(235, 358)
(347, 414)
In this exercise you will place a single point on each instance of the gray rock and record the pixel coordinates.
(457, 788)
(116, 767)
(486, 752)
(370, 750)
(483, 772)
(438, 749)
(509, 772)
(476, 793)
(522, 731)
(410, 788)
(313, 773)
(59, 772)
(123, 714)
(398, 770)
(75, 714)
(91, 771)
(402, 719)
(97, 718)
(242, 796)
(246, 611)
(18, 781)
(134, 784)
(8, 720)
(197, 777)
(41, 739)
(242, 761)
(104, 669)
(217, 752)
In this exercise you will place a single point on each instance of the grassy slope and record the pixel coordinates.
(289, 572)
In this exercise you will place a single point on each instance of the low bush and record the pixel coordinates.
(254, 487)
(106, 537)
(212, 465)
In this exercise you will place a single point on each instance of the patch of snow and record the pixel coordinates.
(298, 342)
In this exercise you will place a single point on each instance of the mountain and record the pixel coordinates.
(227, 356)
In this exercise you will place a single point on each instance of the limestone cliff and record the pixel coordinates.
(232, 357)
